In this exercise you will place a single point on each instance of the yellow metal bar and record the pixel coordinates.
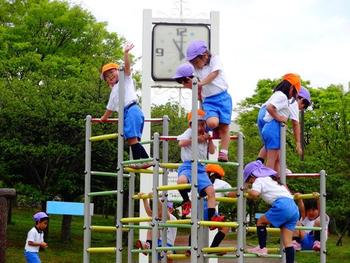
(169, 165)
(180, 221)
(140, 171)
(177, 256)
(268, 229)
(218, 224)
(225, 199)
(101, 250)
(135, 219)
(307, 196)
(174, 187)
(144, 196)
(219, 249)
(103, 228)
(103, 137)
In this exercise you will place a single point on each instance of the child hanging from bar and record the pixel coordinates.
(283, 212)
(205, 187)
(133, 116)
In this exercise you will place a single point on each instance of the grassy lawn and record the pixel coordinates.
(59, 252)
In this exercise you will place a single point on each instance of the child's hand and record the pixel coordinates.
(140, 194)
(283, 119)
(128, 47)
(299, 149)
(43, 245)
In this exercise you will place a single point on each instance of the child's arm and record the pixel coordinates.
(253, 194)
(185, 142)
(273, 112)
(296, 131)
(127, 69)
(146, 205)
(37, 244)
(106, 115)
(301, 206)
(211, 146)
(208, 79)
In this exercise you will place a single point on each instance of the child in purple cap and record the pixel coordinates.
(283, 212)
(217, 102)
(35, 238)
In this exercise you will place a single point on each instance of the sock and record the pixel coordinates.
(138, 152)
(211, 213)
(189, 240)
(262, 234)
(224, 151)
(317, 235)
(217, 239)
(184, 194)
(149, 242)
(260, 159)
(289, 254)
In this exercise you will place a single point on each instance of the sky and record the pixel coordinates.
(259, 39)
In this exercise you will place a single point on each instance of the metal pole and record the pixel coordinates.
(121, 94)
(155, 208)
(282, 173)
(87, 216)
(240, 204)
(323, 195)
(165, 158)
(131, 208)
(194, 182)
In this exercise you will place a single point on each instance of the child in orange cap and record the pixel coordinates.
(133, 116)
(275, 111)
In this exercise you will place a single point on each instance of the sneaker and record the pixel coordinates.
(216, 218)
(141, 165)
(216, 134)
(223, 157)
(261, 252)
(296, 245)
(186, 208)
(142, 245)
(316, 246)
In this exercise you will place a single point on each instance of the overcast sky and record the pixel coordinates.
(258, 38)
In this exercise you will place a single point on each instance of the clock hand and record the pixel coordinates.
(181, 54)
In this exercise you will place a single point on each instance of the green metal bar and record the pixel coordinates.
(137, 161)
(247, 255)
(146, 142)
(141, 250)
(102, 193)
(137, 227)
(178, 248)
(174, 225)
(217, 162)
(233, 189)
(108, 174)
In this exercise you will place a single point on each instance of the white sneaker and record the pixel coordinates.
(261, 252)
(296, 245)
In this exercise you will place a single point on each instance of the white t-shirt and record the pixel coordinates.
(220, 184)
(171, 232)
(269, 189)
(281, 103)
(310, 223)
(186, 152)
(294, 111)
(34, 236)
(219, 84)
(130, 94)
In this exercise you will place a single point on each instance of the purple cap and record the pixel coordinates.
(257, 169)
(195, 49)
(40, 215)
(304, 93)
(184, 70)
(170, 205)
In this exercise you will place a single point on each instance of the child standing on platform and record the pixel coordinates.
(205, 187)
(283, 212)
(133, 116)
(217, 102)
(35, 238)
(272, 113)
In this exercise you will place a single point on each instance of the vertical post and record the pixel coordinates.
(155, 208)
(240, 204)
(165, 158)
(131, 207)
(194, 182)
(119, 226)
(323, 195)
(282, 173)
(87, 189)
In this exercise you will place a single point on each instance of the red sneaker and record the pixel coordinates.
(216, 218)
(186, 208)
(142, 245)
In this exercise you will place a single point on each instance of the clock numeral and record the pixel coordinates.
(159, 52)
(181, 31)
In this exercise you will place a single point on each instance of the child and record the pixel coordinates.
(215, 174)
(171, 231)
(272, 113)
(217, 102)
(35, 238)
(302, 102)
(310, 217)
(133, 116)
(283, 213)
(205, 187)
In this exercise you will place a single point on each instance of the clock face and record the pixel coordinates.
(169, 44)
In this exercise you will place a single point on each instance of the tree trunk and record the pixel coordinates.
(66, 234)
(46, 230)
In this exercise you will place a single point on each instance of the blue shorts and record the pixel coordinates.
(220, 106)
(203, 178)
(283, 213)
(270, 132)
(32, 257)
(308, 241)
(133, 122)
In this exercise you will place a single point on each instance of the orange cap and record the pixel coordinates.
(200, 113)
(215, 168)
(293, 79)
(107, 67)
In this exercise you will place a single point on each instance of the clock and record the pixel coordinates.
(169, 44)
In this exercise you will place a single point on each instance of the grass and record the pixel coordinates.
(72, 252)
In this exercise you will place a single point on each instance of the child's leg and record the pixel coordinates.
(272, 156)
(212, 122)
(219, 237)
(261, 230)
(138, 152)
(211, 200)
(287, 236)
(224, 130)
(182, 179)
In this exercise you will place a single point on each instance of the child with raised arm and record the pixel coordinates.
(133, 116)
(35, 238)
(283, 212)
(217, 102)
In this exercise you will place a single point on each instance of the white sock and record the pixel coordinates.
(224, 151)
